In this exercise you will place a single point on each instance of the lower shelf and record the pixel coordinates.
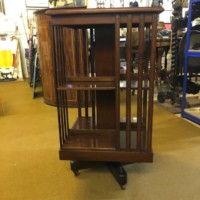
(86, 135)
(106, 156)
(90, 139)
(87, 142)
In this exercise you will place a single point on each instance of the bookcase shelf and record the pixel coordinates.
(109, 123)
(87, 86)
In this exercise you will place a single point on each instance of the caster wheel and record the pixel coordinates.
(123, 187)
(76, 173)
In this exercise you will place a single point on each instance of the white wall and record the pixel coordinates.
(15, 10)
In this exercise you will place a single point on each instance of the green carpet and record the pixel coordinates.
(31, 170)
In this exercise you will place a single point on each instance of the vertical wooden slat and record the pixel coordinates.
(92, 51)
(146, 84)
(144, 118)
(78, 69)
(117, 81)
(62, 59)
(64, 93)
(57, 82)
(128, 82)
(92, 71)
(147, 57)
(62, 73)
(140, 79)
(151, 81)
(85, 65)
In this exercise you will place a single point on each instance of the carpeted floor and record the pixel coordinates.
(30, 167)
(192, 102)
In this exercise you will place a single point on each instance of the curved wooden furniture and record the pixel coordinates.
(45, 57)
(46, 60)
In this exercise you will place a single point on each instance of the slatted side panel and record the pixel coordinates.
(151, 83)
(138, 131)
(140, 81)
(60, 79)
(128, 82)
(117, 81)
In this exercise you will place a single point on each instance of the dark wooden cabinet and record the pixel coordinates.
(112, 124)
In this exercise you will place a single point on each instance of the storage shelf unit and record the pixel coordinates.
(111, 124)
(192, 114)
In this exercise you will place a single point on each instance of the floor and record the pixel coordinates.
(31, 169)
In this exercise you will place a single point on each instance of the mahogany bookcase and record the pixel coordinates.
(112, 125)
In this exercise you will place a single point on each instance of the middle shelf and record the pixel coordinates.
(102, 83)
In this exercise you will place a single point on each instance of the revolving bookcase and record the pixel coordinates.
(111, 125)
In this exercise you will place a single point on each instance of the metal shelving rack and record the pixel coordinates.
(192, 114)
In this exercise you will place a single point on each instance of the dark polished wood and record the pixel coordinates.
(116, 126)
(45, 57)
(74, 50)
